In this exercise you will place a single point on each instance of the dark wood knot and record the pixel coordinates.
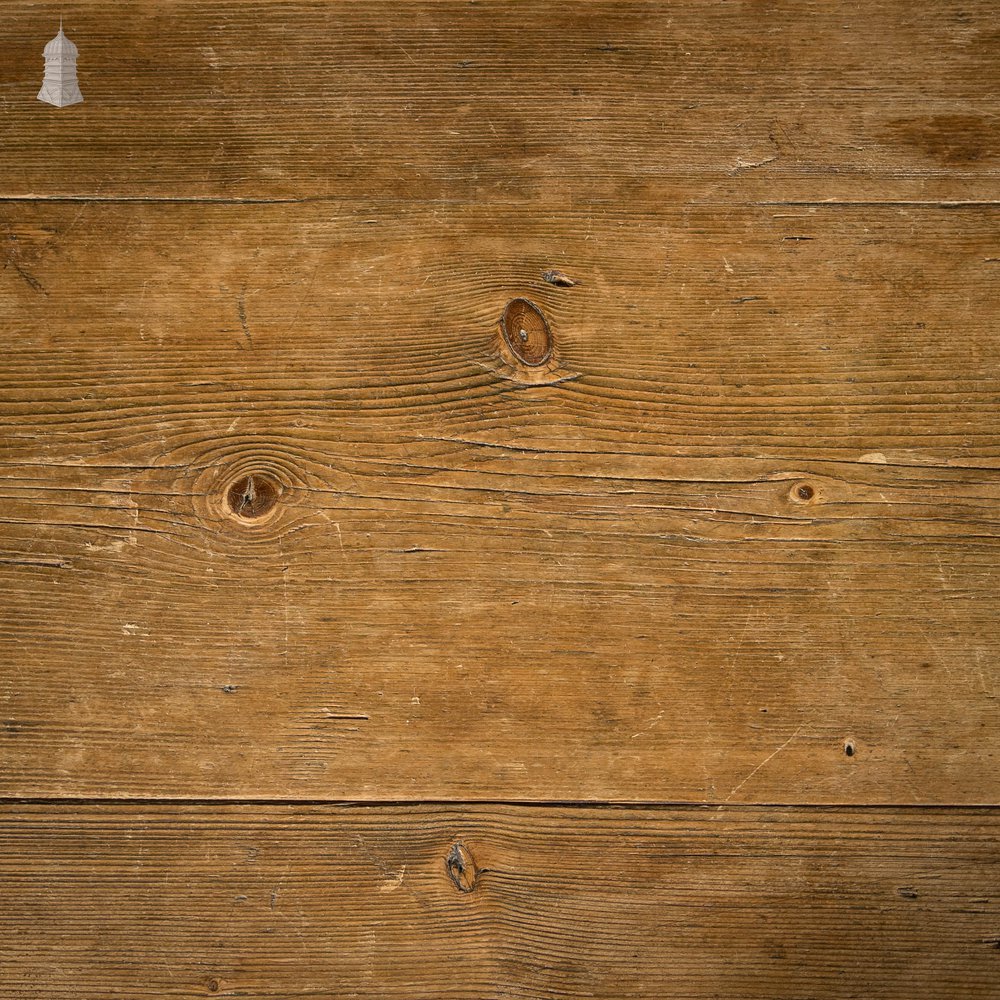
(253, 496)
(526, 332)
(802, 493)
(461, 867)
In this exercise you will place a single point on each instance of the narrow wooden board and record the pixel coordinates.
(457, 902)
(744, 517)
(558, 103)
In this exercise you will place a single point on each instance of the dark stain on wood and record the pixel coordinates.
(951, 139)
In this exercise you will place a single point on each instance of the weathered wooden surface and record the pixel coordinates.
(154, 901)
(554, 103)
(284, 517)
(750, 504)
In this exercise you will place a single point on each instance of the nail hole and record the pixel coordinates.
(252, 496)
(849, 748)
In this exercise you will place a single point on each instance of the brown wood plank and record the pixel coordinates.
(147, 656)
(555, 103)
(725, 332)
(746, 515)
(261, 902)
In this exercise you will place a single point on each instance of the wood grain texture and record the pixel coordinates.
(355, 642)
(258, 902)
(555, 103)
(747, 512)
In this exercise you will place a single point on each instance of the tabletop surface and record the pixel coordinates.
(500, 499)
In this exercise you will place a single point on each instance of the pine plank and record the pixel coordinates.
(551, 104)
(746, 515)
(345, 901)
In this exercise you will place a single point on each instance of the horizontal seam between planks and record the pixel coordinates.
(933, 203)
(610, 804)
(317, 199)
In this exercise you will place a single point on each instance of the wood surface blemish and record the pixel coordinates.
(952, 139)
(767, 760)
(803, 493)
(559, 279)
(461, 867)
(526, 332)
(253, 496)
(241, 308)
(393, 882)
(621, 377)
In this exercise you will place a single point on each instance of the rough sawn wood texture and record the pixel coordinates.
(365, 635)
(161, 901)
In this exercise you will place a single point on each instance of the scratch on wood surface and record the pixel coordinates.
(47, 562)
(765, 761)
(84, 206)
(742, 164)
(651, 724)
(405, 53)
(13, 259)
(393, 879)
(241, 306)
(392, 883)
(541, 383)
(933, 646)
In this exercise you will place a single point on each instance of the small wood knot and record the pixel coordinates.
(802, 493)
(461, 867)
(526, 332)
(213, 985)
(252, 496)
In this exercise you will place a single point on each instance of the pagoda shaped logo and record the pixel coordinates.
(60, 86)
